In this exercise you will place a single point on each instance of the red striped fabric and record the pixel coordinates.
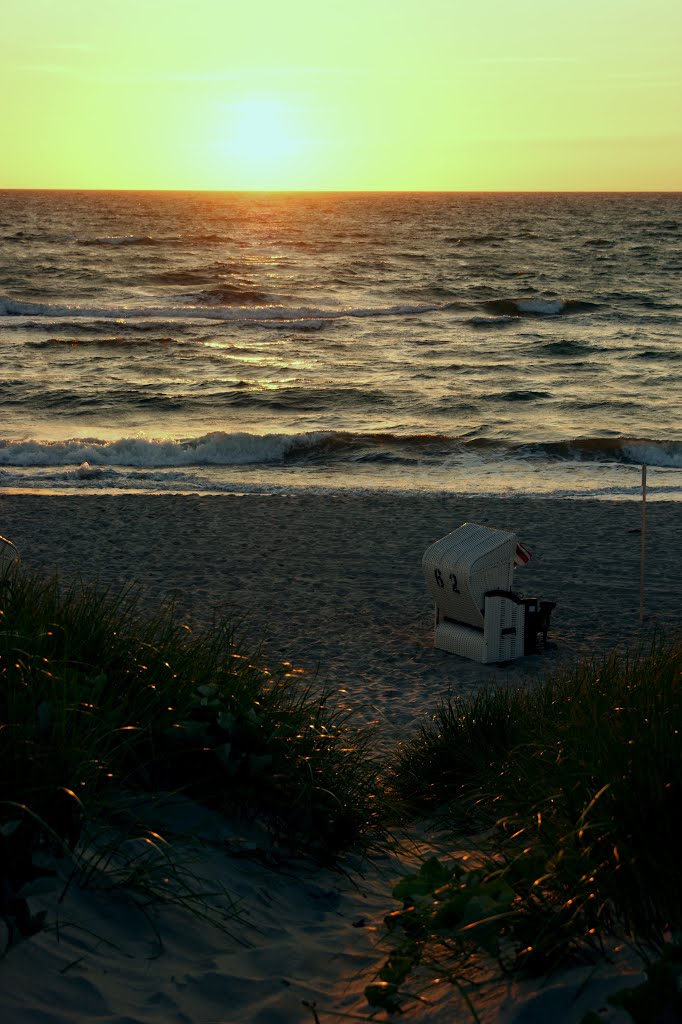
(522, 556)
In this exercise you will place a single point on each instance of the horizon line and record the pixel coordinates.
(355, 191)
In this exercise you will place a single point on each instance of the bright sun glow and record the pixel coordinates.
(264, 142)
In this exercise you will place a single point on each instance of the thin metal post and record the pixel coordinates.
(641, 554)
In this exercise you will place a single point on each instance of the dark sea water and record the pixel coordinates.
(213, 342)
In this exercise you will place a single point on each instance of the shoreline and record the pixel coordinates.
(334, 586)
(563, 481)
(322, 491)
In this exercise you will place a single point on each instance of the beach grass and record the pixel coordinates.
(573, 788)
(99, 697)
(564, 792)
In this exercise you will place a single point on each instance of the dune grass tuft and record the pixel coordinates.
(575, 785)
(97, 696)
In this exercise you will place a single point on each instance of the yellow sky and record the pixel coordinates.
(359, 94)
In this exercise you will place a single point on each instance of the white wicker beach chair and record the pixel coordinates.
(469, 575)
(9, 555)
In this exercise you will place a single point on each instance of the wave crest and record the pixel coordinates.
(242, 449)
(538, 307)
(122, 240)
(16, 307)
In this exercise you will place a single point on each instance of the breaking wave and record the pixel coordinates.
(538, 307)
(11, 307)
(219, 448)
(630, 450)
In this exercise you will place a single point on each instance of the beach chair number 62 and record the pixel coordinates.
(441, 582)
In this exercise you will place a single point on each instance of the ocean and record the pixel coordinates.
(241, 342)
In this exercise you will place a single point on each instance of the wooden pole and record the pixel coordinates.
(641, 553)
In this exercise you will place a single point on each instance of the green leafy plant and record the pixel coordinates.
(447, 909)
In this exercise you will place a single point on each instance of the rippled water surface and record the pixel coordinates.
(207, 342)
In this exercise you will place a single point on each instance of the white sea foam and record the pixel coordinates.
(663, 455)
(11, 307)
(214, 449)
(421, 454)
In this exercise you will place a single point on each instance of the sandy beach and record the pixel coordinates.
(332, 585)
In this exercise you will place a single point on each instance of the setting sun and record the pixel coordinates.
(264, 144)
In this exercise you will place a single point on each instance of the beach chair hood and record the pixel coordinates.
(461, 568)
